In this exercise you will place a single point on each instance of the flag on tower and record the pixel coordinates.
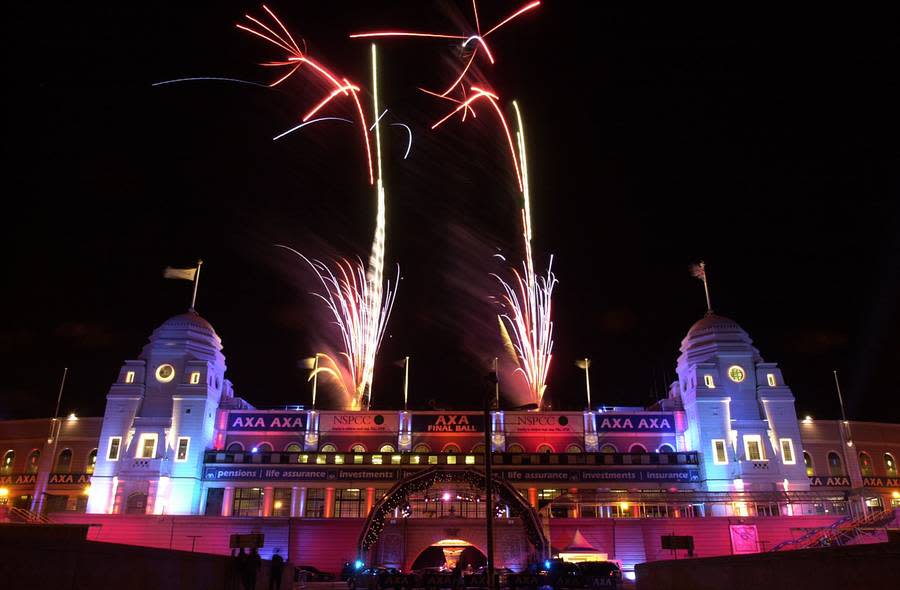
(187, 274)
(698, 271)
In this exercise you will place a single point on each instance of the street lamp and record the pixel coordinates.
(491, 399)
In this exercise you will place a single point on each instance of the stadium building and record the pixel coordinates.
(180, 461)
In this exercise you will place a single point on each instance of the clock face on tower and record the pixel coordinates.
(736, 373)
(165, 373)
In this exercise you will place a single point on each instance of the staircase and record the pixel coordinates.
(840, 532)
(22, 515)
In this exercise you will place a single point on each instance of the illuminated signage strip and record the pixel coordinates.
(841, 481)
(643, 475)
(881, 482)
(448, 423)
(266, 421)
(290, 473)
(544, 423)
(63, 479)
(656, 423)
(18, 479)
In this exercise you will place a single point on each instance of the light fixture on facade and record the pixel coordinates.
(72, 417)
(807, 420)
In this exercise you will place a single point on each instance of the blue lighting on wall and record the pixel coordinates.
(358, 564)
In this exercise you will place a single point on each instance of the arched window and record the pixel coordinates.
(422, 448)
(573, 449)
(91, 462)
(34, 460)
(262, 448)
(235, 447)
(865, 465)
(515, 448)
(293, 448)
(64, 462)
(890, 466)
(545, 448)
(328, 448)
(478, 449)
(637, 448)
(835, 465)
(386, 449)
(666, 448)
(357, 448)
(8, 460)
(609, 448)
(807, 460)
(450, 448)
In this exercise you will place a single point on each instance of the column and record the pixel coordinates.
(573, 511)
(295, 499)
(370, 500)
(301, 508)
(268, 498)
(533, 497)
(329, 502)
(227, 500)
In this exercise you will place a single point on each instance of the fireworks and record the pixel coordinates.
(277, 34)
(527, 329)
(474, 37)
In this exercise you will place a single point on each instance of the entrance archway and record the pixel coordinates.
(398, 496)
(445, 554)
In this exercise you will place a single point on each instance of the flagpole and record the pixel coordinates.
(315, 379)
(837, 384)
(706, 288)
(405, 383)
(196, 282)
(587, 380)
(497, 383)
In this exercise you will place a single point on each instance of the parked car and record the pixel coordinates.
(502, 573)
(372, 578)
(313, 574)
(601, 574)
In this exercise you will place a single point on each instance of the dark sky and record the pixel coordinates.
(764, 144)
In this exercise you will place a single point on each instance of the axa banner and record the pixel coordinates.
(543, 422)
(453, 423)
(63, 479)
(660, 423)
(642, 475)
(18, 479)
(359, 422)
(266, 421)
(881, 482)
(291, 473)
(839, 481)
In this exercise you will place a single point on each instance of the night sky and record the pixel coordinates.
(764, 144)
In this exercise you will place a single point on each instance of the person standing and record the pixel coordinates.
(276, 570)
(251, 569)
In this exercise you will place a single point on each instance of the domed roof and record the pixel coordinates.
(188, 332)
(715, 334)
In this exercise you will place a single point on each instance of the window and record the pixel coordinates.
(357, 448)
(770, 378)
(195, 377)
(328, 448)
(315, 503)
(129, 377)
(609, 448)
(214, 499)
(64, 462)
(708, 381)
(387, 449)
(147, 447)
(293, 448)
(666, 448)
(720, 453)
(181, 454)
(247, 502)
(112, 451)
(865, 465)
(470, 459)
(136, 503)
(637, 448)
(262, 448)
(349, 503)
(422, 448)
(281, 502)
(34, 459)
(235, 447)
(544, 448)
(515, 448)
(787, 451)
(377, 460)
(753, 450)
(573, 449)
(807, 460)
(91, 462)
(736, 373)
(450, 448)
(890, 466)
(478, 449)
(8, 459)
(321, 459)
(338, 459)
(835, 465)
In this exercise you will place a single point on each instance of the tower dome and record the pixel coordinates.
(712, 335)
(186, 332)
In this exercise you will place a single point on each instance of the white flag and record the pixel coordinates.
(187, 274)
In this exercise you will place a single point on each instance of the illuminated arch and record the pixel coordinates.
(358, 448)
(293, 448)
(573, 449)
(451, 448)
(665, 448)
(609, 448)
(422, 448)
(328, 448)
(235, 447)
(866, 467)
(398, 495)
(387, 448)
(263, 447)
(545, 448)
(637, 448)
(890, 465)
(515, 448)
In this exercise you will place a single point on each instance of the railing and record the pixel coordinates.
(22, 515)
(838, 533)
